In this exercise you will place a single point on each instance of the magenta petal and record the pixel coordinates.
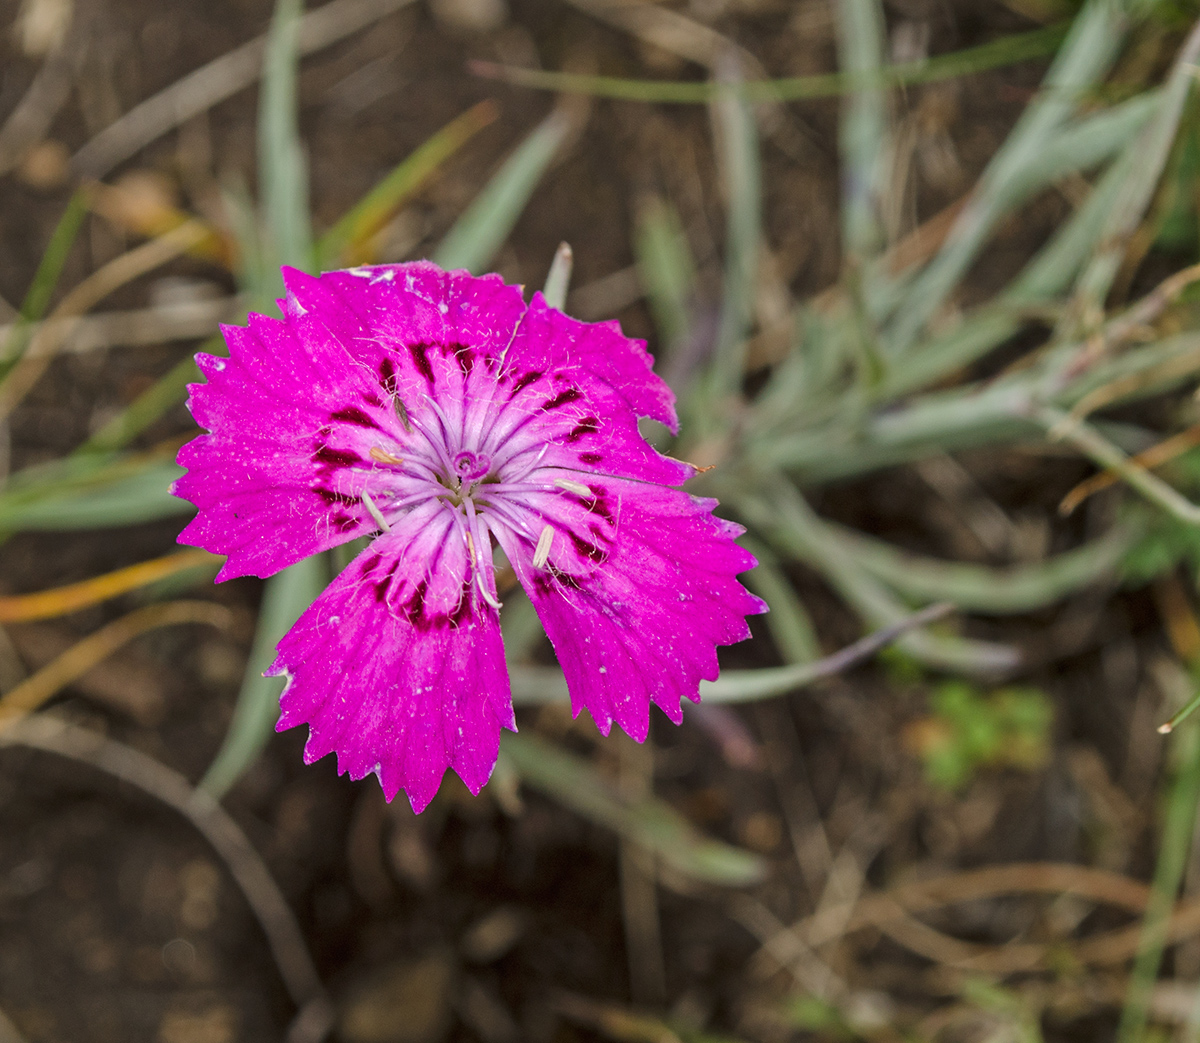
(594, 351)
(399, 668)
(635, 595)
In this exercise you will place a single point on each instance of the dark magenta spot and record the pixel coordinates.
(382, 587)
(588, 550)
(466, 358)
(420, 354)
(589, 425)
(599, 504)
(463, 609)
(336, 457)
(415, 605)
(353, 415)
(590, 458)
(330, 497)
(562, 398)
(387, 377)
(524, 382)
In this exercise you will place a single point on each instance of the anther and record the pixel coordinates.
(541, 553)
(375, 512)
(578, 488)
(401, 412)
(382, 456)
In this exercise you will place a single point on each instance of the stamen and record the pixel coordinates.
(578, 488)
(402, 413)
(382, 456)
(541, 553)
(375, 512)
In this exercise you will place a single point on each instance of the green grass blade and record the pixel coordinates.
(1018, 588)
(1085, 58)
(791, 628)
(862, 129)
(1008, 50)
(558, 279)
(1154, 146)
(284, 190)
(348, 237)
(792, 528)
(285, 597)
(1174, 851)
(283, 174)
(666, 269)
(124, 494)
(651, 823)
(45, 279)
(163, 394)
(481, 231)
(741, 165)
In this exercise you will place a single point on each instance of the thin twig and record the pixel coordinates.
(221, 78)
(1155, 456)
(296, 968)
(1094, 445)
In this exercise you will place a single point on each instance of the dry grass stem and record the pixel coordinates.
(46, 604)
(221, 78)
(121, 270)
(190, 320)
(77, 660)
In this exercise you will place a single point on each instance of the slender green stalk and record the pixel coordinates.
(1008, 50)
(862, 130)
(45, 279)
(1173, 854)
(738, 141)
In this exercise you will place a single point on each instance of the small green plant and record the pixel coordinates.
(969, 730)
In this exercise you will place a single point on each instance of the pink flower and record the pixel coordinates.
(440, 413)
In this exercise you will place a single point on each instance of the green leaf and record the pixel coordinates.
(285, 597)
(350, 234)
(487, 222)
(649, 822)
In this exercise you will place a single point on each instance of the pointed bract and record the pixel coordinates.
(438, 411)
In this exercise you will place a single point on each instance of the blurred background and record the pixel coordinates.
(922, 275)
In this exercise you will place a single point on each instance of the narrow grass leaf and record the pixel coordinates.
(285, 596)
(62, 601)
(862, 127)
(349, 240)
(127, 499)
(1019, 588)
(1135, 193)
(651, 823)
(487, 222)
(666, 269)
(1085, 58)
(1174, 849)
(1008, 50)
(737, 140)
(283, 174)
(45, 279)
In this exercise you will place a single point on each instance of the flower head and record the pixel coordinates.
(445, 416)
